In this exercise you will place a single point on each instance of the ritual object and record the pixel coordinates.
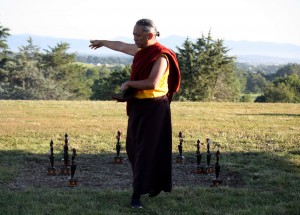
(180, 157)
(217, 182)
(52, 169)
(72, 180)
(118, 158)
(199, 169)
(208, 168)
(65, 170)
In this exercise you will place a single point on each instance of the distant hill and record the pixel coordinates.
(245, 51)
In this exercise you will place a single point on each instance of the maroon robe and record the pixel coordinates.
(144, 60)
(149, 132)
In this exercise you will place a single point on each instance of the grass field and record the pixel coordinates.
(260, 142)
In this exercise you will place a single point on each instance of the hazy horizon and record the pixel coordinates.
(275, 21)
(246, 51)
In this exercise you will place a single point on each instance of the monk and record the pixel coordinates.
(155, 76)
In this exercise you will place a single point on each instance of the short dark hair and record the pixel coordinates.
(148, 26)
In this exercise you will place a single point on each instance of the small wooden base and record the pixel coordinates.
(72, 182)
(208, 169)
(65, 171)
(118, 160)
(204, 170)
(216, 183)
(198, 170)
(51, 171)
(180, 159)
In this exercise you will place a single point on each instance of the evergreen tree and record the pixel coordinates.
(6, 63)
(4, 50)
(26, 78)
(30, 51)
(207, 71)
(59, 66)
(188, 62)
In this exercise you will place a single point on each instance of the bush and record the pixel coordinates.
(246, 98)
(261, 99)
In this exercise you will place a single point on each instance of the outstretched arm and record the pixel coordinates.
(126, 48)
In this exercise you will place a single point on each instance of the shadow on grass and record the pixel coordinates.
(272, 114)
(21, 170)
(295, 152)
(252, 182)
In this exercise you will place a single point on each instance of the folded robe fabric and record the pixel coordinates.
(142, 65)
(144, 60)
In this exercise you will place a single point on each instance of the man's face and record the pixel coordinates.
(140, 37)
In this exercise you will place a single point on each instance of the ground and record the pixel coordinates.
(101, 172)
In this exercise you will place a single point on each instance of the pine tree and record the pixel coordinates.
(4, 51)
(207, 71)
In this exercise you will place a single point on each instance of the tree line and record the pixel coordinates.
(208, 74)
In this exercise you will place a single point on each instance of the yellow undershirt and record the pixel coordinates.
(160, 90)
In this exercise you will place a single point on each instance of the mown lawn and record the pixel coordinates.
(259, 142)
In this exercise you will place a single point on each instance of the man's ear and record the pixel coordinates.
(150, 36)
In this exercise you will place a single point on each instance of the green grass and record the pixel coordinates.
(260, 142)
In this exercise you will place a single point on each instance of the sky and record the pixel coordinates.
(252, 20)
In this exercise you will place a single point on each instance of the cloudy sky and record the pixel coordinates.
(253, 20)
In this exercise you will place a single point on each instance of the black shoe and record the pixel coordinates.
(154, 193)
(136, 203)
